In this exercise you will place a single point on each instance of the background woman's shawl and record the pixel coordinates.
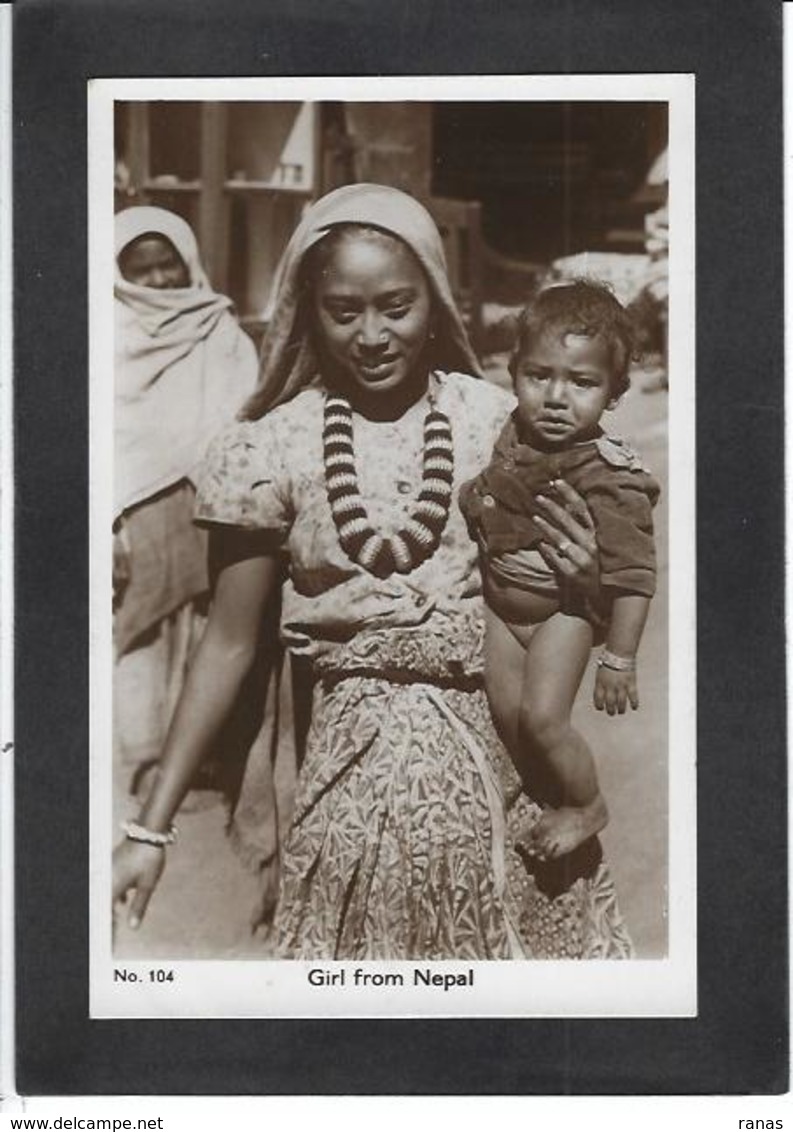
(183, 366)
(288, 363)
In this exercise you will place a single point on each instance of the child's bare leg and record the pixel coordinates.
(505, 658)
(554, 665)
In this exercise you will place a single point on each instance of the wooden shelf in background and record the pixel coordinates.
(236, 186)
(155, 186)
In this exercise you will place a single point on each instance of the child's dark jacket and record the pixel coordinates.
(619, 492)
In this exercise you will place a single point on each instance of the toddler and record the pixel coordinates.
(570, 365)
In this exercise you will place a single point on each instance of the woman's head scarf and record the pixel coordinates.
(183, 366)
(288, 362)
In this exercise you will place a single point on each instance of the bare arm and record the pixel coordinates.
(222, 661)
(628, 617)
(614, 690)
(246, 577)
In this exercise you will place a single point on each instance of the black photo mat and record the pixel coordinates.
(738, 1043)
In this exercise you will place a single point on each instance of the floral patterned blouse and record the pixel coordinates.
(269, 475)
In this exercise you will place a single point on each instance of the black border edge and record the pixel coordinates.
(739, 1042)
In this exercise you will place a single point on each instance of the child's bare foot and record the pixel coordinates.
(560, 831)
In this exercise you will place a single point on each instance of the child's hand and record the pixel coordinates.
(615, 690)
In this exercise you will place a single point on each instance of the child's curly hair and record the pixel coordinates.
(583, 307)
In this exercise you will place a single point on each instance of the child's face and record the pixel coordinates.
(563, 386)
(373, 312)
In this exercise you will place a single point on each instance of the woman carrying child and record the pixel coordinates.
(368, 418)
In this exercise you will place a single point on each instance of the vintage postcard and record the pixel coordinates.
(392, 536)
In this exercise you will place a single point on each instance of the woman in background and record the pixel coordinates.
(183, 367)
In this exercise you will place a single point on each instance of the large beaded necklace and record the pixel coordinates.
(418, 539)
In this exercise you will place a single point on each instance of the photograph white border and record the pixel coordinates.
(249, 988)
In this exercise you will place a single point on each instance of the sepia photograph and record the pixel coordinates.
(397, 560)
(391, 508)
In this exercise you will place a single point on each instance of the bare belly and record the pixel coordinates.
(517, 606)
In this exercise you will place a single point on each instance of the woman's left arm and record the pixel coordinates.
(569, 545)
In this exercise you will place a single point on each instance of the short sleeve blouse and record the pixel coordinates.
(244, 481)
(269, 475)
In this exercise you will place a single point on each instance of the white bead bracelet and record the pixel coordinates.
(135, 832)
(616, 663)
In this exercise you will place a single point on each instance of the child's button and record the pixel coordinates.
(403, 487)
(488, 501)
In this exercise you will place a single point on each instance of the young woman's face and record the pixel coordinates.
(153, 261)
(563, 386)
(373, 311)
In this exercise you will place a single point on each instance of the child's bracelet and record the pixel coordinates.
(616, 663)
(135, 832)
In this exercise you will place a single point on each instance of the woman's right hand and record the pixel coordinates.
(136, 871)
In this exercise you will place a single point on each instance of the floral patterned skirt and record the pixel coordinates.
(406, 839)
